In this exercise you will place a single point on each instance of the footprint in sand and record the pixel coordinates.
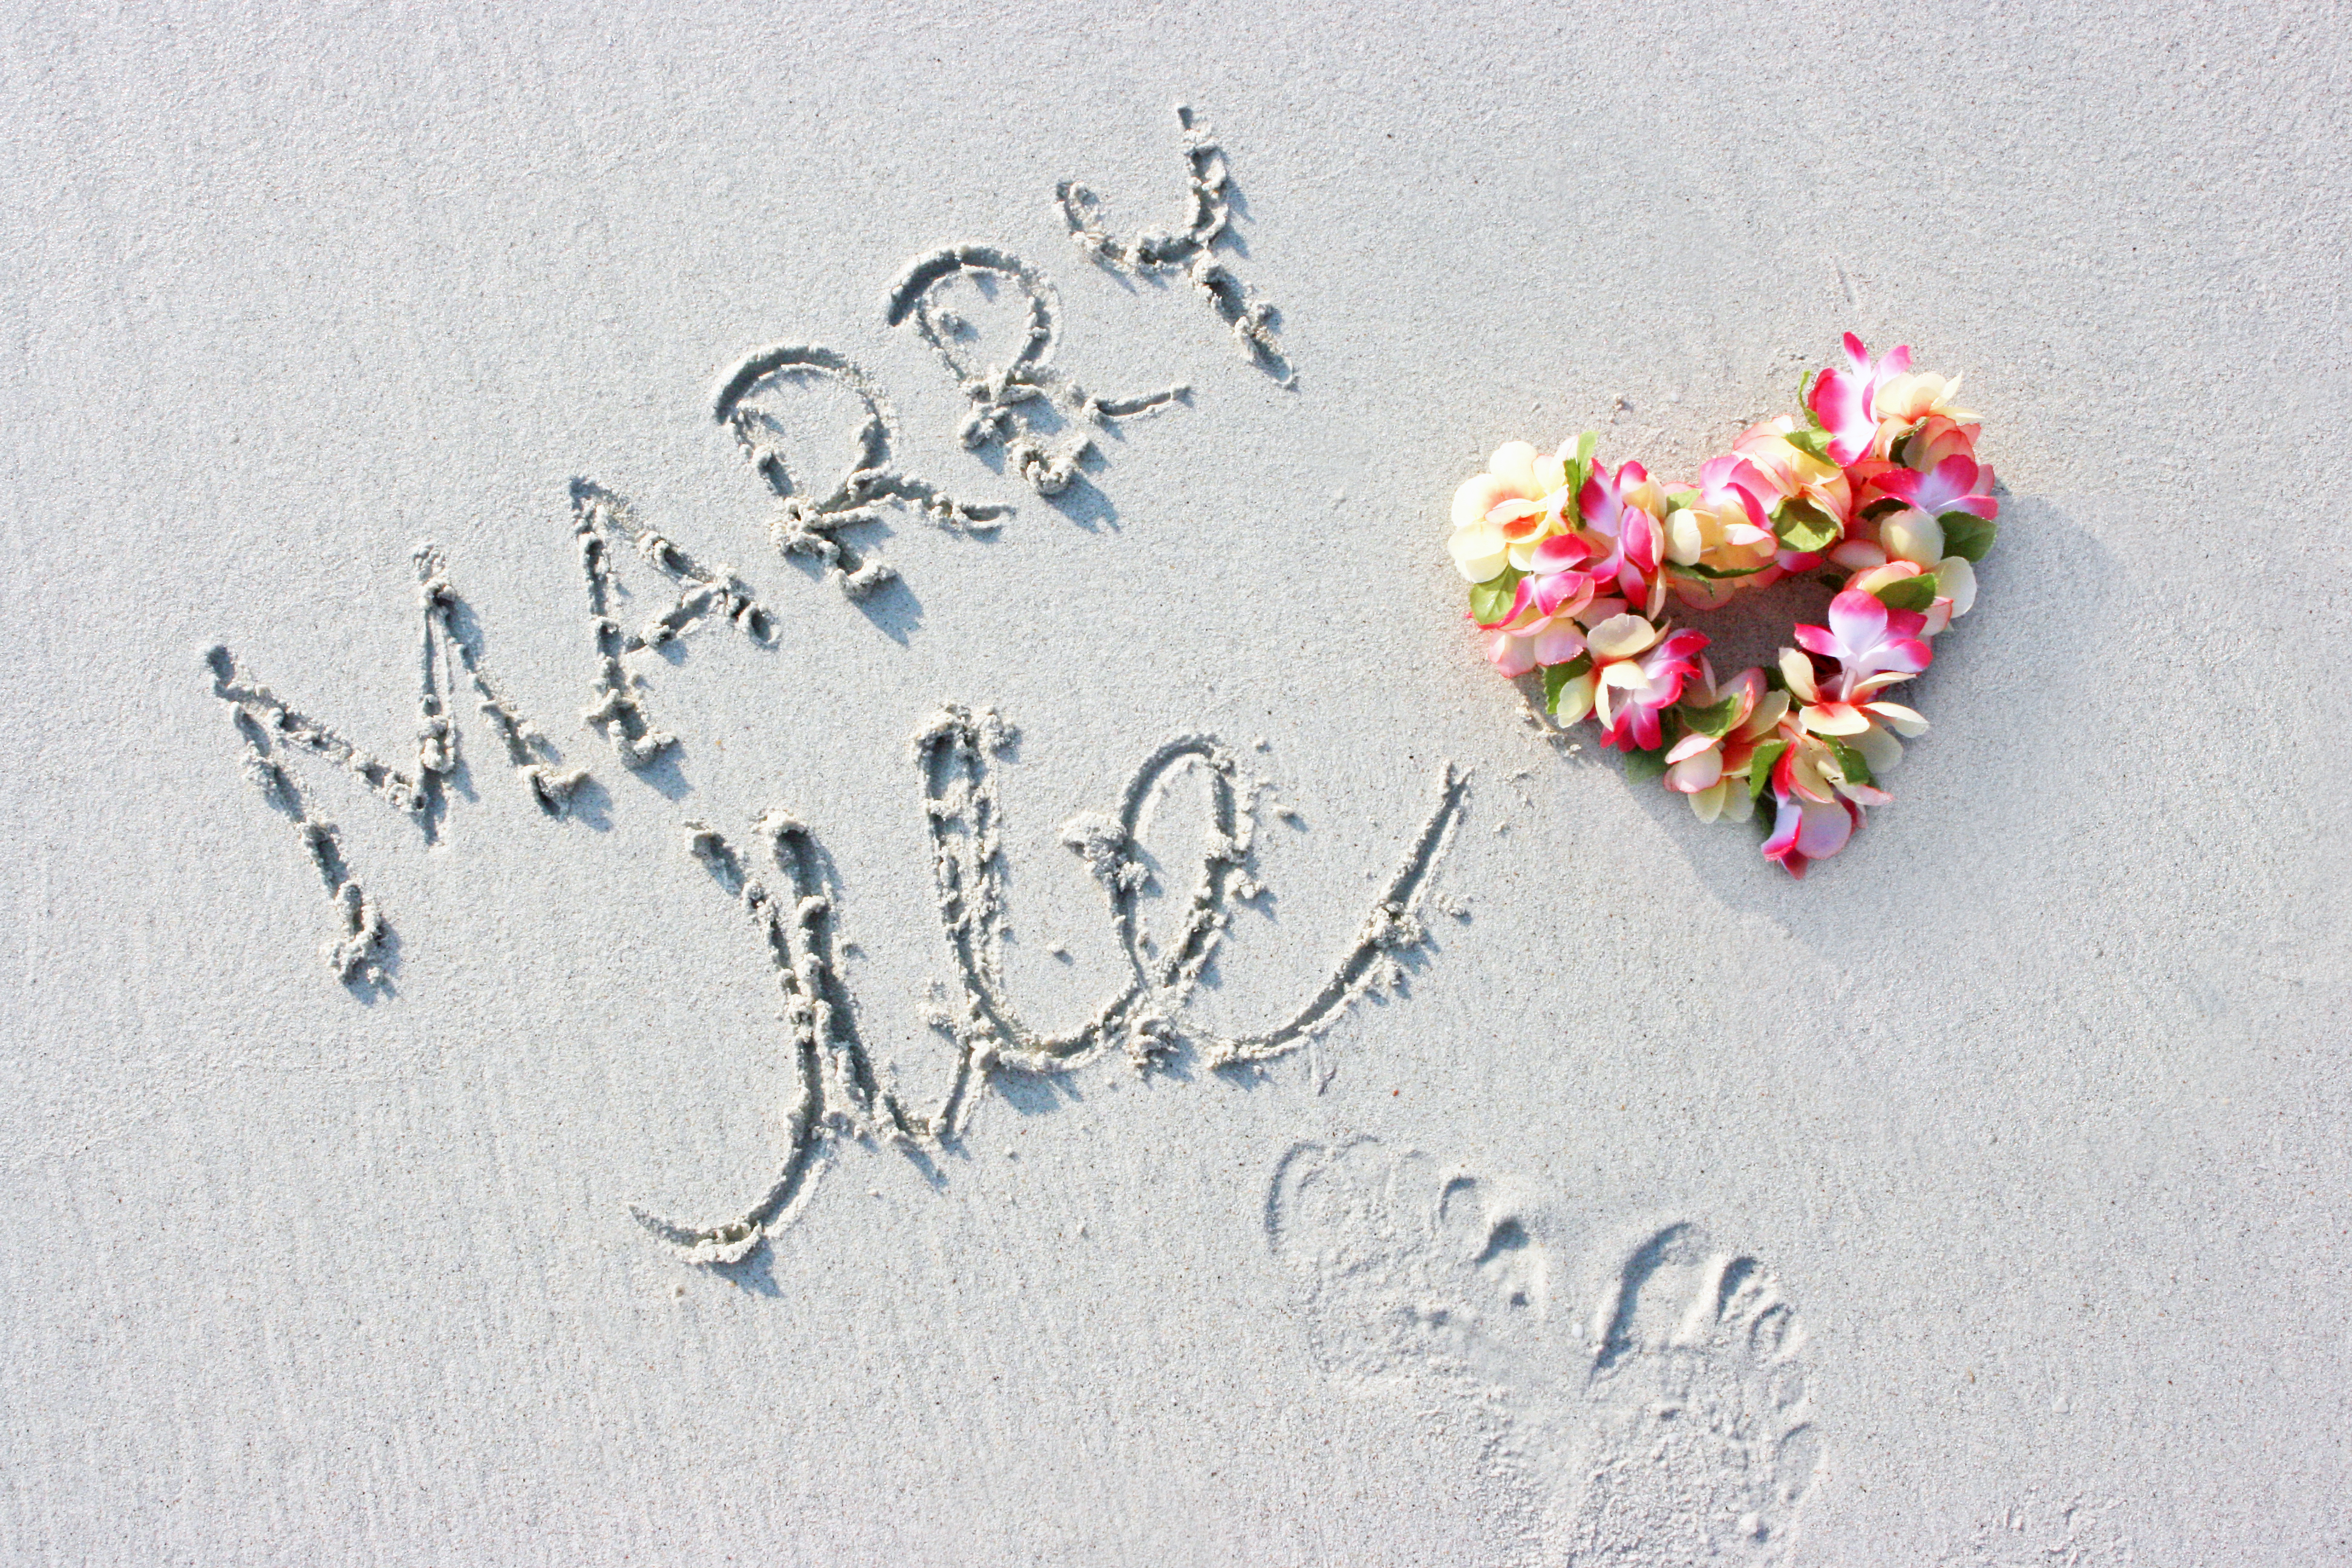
(1702, 1447)
(1666, 1425)
(1410, 1271)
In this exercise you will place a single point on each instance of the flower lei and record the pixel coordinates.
(1876, 486)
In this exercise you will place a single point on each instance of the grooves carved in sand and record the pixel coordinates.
(811, 525)
(270, 731)
(1190, 249)
(838, 1092)
(1010, 401)
(1042, 420)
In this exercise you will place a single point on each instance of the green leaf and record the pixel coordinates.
(1968, 536)
(1490, 602)
(1641, 766)
(1851, 762)
(1884, 506)
(1908, 592)
(1715, 721)
(1717, 572)
(1813, 443)
(1759, 767)
(1677, 500)
(1580, 466)
(1801, 526)
(1556, 675)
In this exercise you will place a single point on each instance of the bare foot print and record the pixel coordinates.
(1411, 1272)
(1667, 1424)
(1701, 1448)
(1414, 1290)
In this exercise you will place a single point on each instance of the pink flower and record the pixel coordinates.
(1874, 646)
(1844, 400)
(1725, 531)
(1951, 598)
(1804, 831)
(1541, 628)
(1816, 808)
(1786, 467)
(1901, 400)
(1959, 483)
(1711, 770)
(1732, 477)
(1937, 438)
(1637, 677)
(1620, 510)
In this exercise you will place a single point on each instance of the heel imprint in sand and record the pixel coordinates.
(1873, 487)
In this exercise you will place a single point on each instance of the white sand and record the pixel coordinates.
(1979, 1200)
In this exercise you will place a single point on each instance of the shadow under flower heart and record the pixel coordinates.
(1874, 488)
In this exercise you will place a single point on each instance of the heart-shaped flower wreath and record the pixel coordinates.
(1874, 485)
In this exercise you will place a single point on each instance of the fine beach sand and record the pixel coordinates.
(1040, 1003)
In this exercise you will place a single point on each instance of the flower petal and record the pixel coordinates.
(1769, 707)
(1620, 636)
(1797, 671)
(1479, 496)
(1685, 542)
(1695, 773)
(1823, 831)
(1513, 656)
(1834, 718)
(1561, 552)
(1690, 746)
(1477, 551)
(1575, 700)
(1881, 750)
(1557, 643)
(1815, 640)
(1956, 578)
(1901, 719)
(1514, 463)
(1859, 620)
(1913, 536)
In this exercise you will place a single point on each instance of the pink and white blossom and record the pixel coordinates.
(1541, 628)
(1844, 400)
(1638, 675)
(1874, 646)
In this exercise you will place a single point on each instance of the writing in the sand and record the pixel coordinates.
(777, 877)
